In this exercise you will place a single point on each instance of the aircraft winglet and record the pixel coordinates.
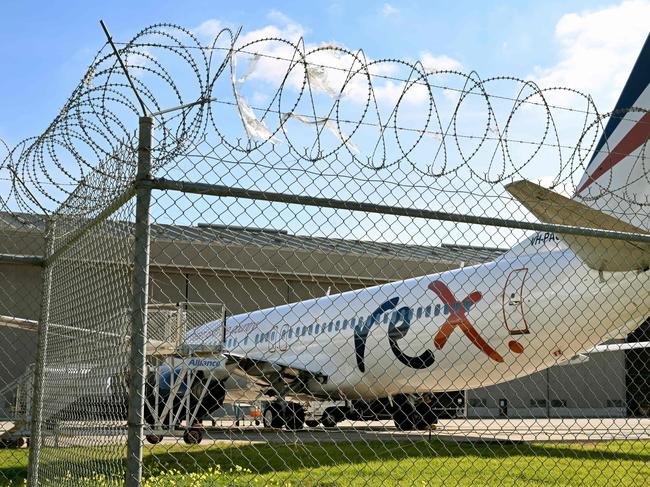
(602, 254)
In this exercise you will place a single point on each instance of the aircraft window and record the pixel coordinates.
(245, 340)
(272, 336)
(345, 325)
(436, 311)
(317, 330)
(538, 403)
(418, 313)
(352, 321)
(456, 307)
(427, 311)
(446, 309)
(329, 327)
(337, 326)
(310, 329)
(385, 318)
(257, 338)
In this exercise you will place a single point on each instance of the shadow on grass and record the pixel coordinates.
(273, 458)
(12, 475)
(268, 458)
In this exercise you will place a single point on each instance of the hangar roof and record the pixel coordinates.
(265, 237)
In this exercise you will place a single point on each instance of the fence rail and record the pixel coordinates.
(351, 217)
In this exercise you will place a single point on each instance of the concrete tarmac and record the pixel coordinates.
(457, 430)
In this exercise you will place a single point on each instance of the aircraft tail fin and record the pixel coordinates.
(617, 178)
(603, 254)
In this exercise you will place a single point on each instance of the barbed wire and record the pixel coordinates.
(322, 102)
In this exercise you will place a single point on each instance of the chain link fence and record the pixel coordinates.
(239, 260)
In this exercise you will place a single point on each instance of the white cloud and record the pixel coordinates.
(387, 10)
(597, 50)
(208, 29)
(262, 68)
(278, 17)
(439, 63)
(271, 67)
(139, 57)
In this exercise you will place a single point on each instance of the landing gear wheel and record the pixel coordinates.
(272, 416)
(193, 437)
(16, 442)
(294, 416)
(409, 417)
(312, 423)
(290, 415)
(328, 420)
(403, 421)
(425, 416)
(154, 439)
(404, 414)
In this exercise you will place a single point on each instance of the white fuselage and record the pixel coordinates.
(539, 305)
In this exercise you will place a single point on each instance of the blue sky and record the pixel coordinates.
(589, 45)
(46, 46)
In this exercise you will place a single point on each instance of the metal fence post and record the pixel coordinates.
(137, 360)
(35, 440)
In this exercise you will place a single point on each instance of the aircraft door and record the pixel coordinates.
(513, 302)
(274, 339)
(279, 339)
(283, 338)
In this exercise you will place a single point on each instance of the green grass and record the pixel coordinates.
(382, 463)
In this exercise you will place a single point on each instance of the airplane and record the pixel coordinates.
(551, 299)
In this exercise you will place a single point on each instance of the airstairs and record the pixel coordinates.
(14, 432)
(180, 378)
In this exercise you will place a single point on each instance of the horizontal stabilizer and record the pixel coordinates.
(602, 254)
(617, 347)
(581, 358)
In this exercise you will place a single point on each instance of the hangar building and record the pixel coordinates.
(249, 268)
